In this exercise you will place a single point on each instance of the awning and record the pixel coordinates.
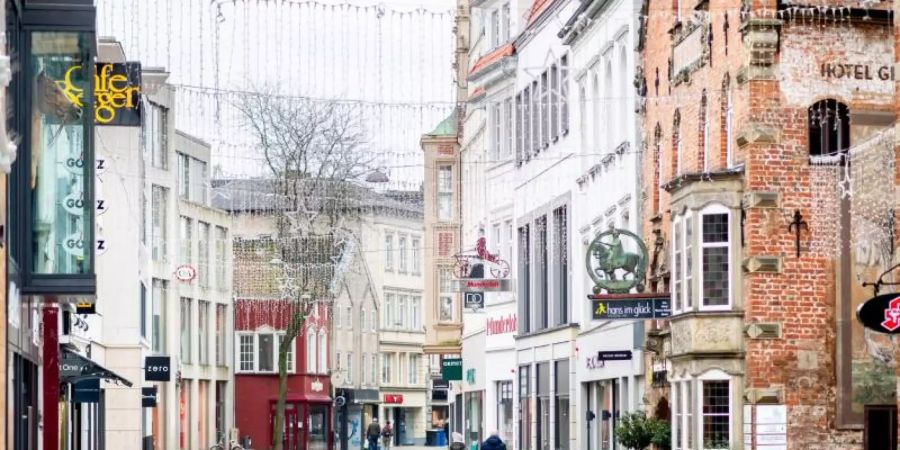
(74, 368)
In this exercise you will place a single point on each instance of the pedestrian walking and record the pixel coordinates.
(493, 442)
(387, 433)
(373, 431)
(457, 442)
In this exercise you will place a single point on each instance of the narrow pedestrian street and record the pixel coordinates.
(449, 224)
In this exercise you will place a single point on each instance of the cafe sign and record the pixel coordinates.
(117, 93)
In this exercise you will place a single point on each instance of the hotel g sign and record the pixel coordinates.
(117, 93)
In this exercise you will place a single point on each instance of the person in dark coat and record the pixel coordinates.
(493, 442)
(373, 432)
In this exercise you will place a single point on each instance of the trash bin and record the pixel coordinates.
(440, 438)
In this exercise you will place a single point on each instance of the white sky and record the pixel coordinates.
(396, 68)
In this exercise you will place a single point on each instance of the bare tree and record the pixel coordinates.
(314, 150)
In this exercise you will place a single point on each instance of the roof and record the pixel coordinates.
(495, 55)
(537, 8)
(447, 127)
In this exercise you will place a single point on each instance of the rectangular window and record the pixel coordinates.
(525, 407)
(715, 261)
(414, 369)
(338, 362)
(561, 406)
(220, 335)
(416, 313)
(184, 176)
(526, 126)
(203, 255)
(401, 312)
(445, 193)
(221, 259)
(524, 290)
(535, 117)
(246, 353)
(349, 323)
(401, 248)
(203, 331)
(497, 131)
(143, 313)
(200, 182)
(157, 136)
(446, 307)
(349, 367)
(388, 321)
(288, 355)
(508, 131)
(520, 126)
(688, 263)
(545, 109)
(265, 343)
(561, 264)
(495, 29)
(159, 238)
(363, 321)
(186, 325)
(416, 256)
(157, 326)
(677, 255)
(505, 19)
(540, 276)
(554, 102)
(716, 414)
(389, 252)
(59, 176)
(564, 93)
(386, 360)
(186, 231)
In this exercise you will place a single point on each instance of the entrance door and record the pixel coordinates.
(881, 427)
(399, 426)
(293, 427)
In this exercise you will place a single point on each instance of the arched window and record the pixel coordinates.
(703, 157)
(323, 351)
(622, 91)
(676, 144)
(595, 99)
(657, 165)
(829, 128)
(311, 350)
(726, 129)
(607, 106)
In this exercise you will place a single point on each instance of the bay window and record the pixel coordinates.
(702, 412)
(715, 418)
(445, 193)
(706, 238)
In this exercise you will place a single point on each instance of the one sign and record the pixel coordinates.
(86, 391)
(474, 300)
(501, 325)
(85, 308)
(158, 368)
(479, 284)
(655, 306)
(451, 369)
(617, 262)
(71, 365)
(149, 397)
(620, 355)
(185, 273)
(881, 313)
(393, 398)
(117, 93)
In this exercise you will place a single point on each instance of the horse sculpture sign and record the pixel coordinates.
(617, 262)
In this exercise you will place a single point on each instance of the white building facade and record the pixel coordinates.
(602, 36)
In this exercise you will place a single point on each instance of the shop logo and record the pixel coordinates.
(316, 386)
(881, 314)
(617, 262)
(117, 92)
(185, 273)
(892, 315)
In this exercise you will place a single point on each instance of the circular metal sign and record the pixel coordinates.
(617, 261)
(881, 313)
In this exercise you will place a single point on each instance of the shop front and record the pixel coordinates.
(500, 374)
(306, 423)
(406, 412)
(354, 410)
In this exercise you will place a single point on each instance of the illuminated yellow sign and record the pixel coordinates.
(117, 90)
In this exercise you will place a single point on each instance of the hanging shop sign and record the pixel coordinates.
(117, 93)
(474, 285)
(474, 300)
(501, 325)
(617, 262)
(85, 308)
(158, 368)
(86, 391)
(881, 314)
(623, 307)
(185, 272)
(618, 355)
(451, 369)
(395, 399)
(149, 397)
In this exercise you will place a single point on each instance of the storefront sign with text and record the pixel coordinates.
(501, 325)
(117, 93)
(857, 71)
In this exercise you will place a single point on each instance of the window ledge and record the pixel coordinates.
(547, 330)
(707, 313)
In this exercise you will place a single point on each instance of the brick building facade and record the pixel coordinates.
(757, 115)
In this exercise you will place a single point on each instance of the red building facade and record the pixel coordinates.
(259, 327)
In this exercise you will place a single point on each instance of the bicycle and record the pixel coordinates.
(232, 445)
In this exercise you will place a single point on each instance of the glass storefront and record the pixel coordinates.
(505, 409)
(474, 420)
(59, 176)
(561, 408)
(525, 407)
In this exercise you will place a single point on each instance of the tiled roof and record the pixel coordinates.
(537, 8)
(492, 57)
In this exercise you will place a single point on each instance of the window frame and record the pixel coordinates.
(713, 375)
(277, 336)
(715, 209)
(388, 252)
(403, 260)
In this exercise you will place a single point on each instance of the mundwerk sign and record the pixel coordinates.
(117, 93)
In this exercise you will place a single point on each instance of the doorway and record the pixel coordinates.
(293, 427)
(399, 418)
(881, 427)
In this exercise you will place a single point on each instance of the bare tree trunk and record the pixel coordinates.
(278, 431)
